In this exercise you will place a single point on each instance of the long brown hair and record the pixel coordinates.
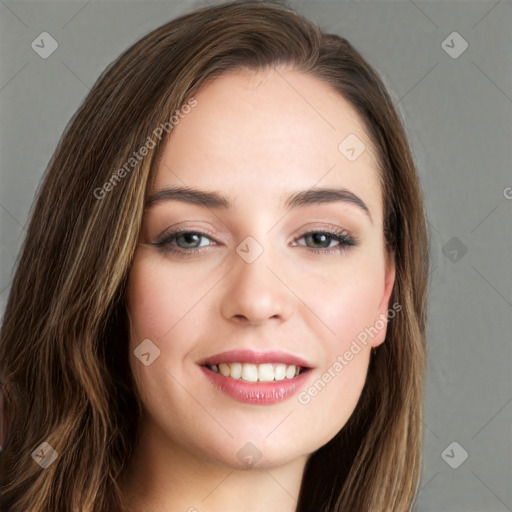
(64, 338)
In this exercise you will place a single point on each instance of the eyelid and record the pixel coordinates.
(178, 231)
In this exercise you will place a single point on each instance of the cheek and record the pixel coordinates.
(333, 394)
(325, 406)
(352, 309)
(160, 300)
(354, 294)
(347, 299)
(163, 311)
(159, 311)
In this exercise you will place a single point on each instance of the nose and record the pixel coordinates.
(257, 292)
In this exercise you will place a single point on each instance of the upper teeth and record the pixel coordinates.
(266, 372)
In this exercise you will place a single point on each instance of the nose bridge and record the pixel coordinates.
(255, 292)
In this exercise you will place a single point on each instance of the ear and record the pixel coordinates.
(381, 320)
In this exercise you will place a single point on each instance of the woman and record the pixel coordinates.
(220, 302)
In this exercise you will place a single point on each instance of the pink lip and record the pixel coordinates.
(261, 393)
(255, 357)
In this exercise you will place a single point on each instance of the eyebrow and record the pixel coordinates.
(216, 200)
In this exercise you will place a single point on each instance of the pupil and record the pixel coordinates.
(316, 236)
(187, 237)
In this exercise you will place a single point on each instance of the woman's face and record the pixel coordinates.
(251, 284)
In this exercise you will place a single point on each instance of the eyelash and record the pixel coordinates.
(337, 234)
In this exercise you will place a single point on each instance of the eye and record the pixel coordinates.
(325, 237)
(181, 241)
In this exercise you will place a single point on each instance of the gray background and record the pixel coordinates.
(458, 114)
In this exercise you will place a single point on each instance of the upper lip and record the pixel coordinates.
(255, 357)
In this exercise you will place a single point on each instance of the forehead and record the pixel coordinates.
(258, 134)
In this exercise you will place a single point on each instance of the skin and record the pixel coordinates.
(255, 137)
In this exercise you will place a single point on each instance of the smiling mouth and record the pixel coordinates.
(265, 372)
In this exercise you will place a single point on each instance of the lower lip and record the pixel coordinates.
(262, 393)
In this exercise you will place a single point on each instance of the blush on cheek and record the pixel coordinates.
(156, 303)
(349, 314)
